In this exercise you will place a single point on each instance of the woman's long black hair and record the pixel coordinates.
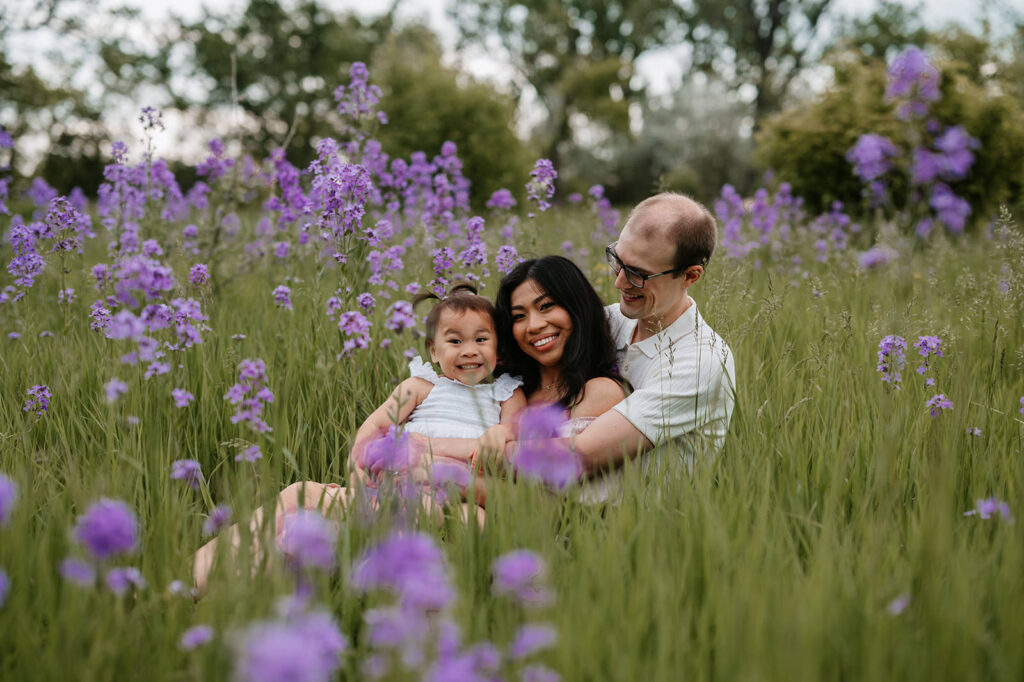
(589, 350)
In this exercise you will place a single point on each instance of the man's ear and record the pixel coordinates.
(693, 273)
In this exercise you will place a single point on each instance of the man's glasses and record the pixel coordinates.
(637, 279)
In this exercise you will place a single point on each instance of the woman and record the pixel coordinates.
(551, 330)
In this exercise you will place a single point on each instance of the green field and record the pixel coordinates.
(835, 497)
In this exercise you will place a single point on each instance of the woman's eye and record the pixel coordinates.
(517, 316)
(546, 304)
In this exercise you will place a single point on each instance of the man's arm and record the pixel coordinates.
(608, 441)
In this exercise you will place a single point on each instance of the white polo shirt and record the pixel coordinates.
(683, 378)
(684, 390)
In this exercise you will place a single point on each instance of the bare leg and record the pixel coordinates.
(329, 499)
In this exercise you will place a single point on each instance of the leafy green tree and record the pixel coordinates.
(577, 56)
(807, 145)
(763, 43)
(428, 103)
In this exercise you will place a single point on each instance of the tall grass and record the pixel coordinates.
(834, 494)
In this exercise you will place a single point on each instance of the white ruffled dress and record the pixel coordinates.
(454, 410)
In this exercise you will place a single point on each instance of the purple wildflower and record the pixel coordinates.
(974, 431)
(390, 452)
(892, 359)
(5, 586)
(308, 540)
(78, 572)
(8, 498)
(876, 256)
(898, 605)
(250, 454)
(356, 327)
(538, 673)
(119, 580)
(530, 639)
(409, 564)
(107, 527)
(199, 275)
(938, 403)
(912, 77)
(182, 398)
(541, 455)
(871, 156)
(989, 507)
(218, 518)
(366, 302)
(151, 119)
(187, 470)
(520, 575)
(507, 258)
(928, 345)
(283, 297)
(949, 208)
(956, 144)
(542, 183)
(303, 649)
(115, 388)
(65, 295)
(400, 316)
(38, 400)
(501, 199)
(1022, 404)
(195, 637)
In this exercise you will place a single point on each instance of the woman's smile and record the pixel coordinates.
(539, 325)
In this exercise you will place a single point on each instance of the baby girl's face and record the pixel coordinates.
(465, 346)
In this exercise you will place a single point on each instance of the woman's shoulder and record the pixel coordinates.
(600, 394)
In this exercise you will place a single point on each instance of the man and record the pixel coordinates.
(682, 373)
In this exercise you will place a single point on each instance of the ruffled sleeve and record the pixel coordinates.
(423, 370)
(505, 386)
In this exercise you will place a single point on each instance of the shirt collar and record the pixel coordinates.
(652, 345)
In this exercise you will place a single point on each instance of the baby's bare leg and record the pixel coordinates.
(330, 499)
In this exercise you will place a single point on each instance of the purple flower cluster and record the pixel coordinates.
(356, 328)
(8, 498)
(218, 518)
(38, 400)
(182, 398)
(187, 470)
(521, 575)
(541, 455)
(937, 404)
(107, 528)
(199, 275)
(871, 156)
(251, 394)
(121, 579)
(542, 183)
(507, 259)
(308, 540)
(987, 508)
(195, 637)
(892, 359)
(283, 297)
(913, 82)
(304, 648)
(215, 165)
(400, 316)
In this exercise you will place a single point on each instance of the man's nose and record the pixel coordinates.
(620, 280)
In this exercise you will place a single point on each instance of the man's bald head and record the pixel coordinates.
(683, 221)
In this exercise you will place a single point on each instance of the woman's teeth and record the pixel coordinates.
(545, 341)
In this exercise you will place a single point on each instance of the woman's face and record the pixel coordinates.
(540, 326)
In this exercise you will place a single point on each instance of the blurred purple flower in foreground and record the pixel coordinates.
(521, 575)
(539, 673)
(107, 527)
(195, 637)
(182, 397)
(408, 564)
(250, 454)
(989, 507)
(120, 580)
(531, 638)
(5, 585)
(541, 455)
(219, 517)
(8, 497)
(898, 605)
(390, 452)
(115, 388)
(876, 257)
(308, 540)
(187, 470)
(303, 649)
(78, 572)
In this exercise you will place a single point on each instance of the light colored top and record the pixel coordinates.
(454, 410)
(684, 390)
